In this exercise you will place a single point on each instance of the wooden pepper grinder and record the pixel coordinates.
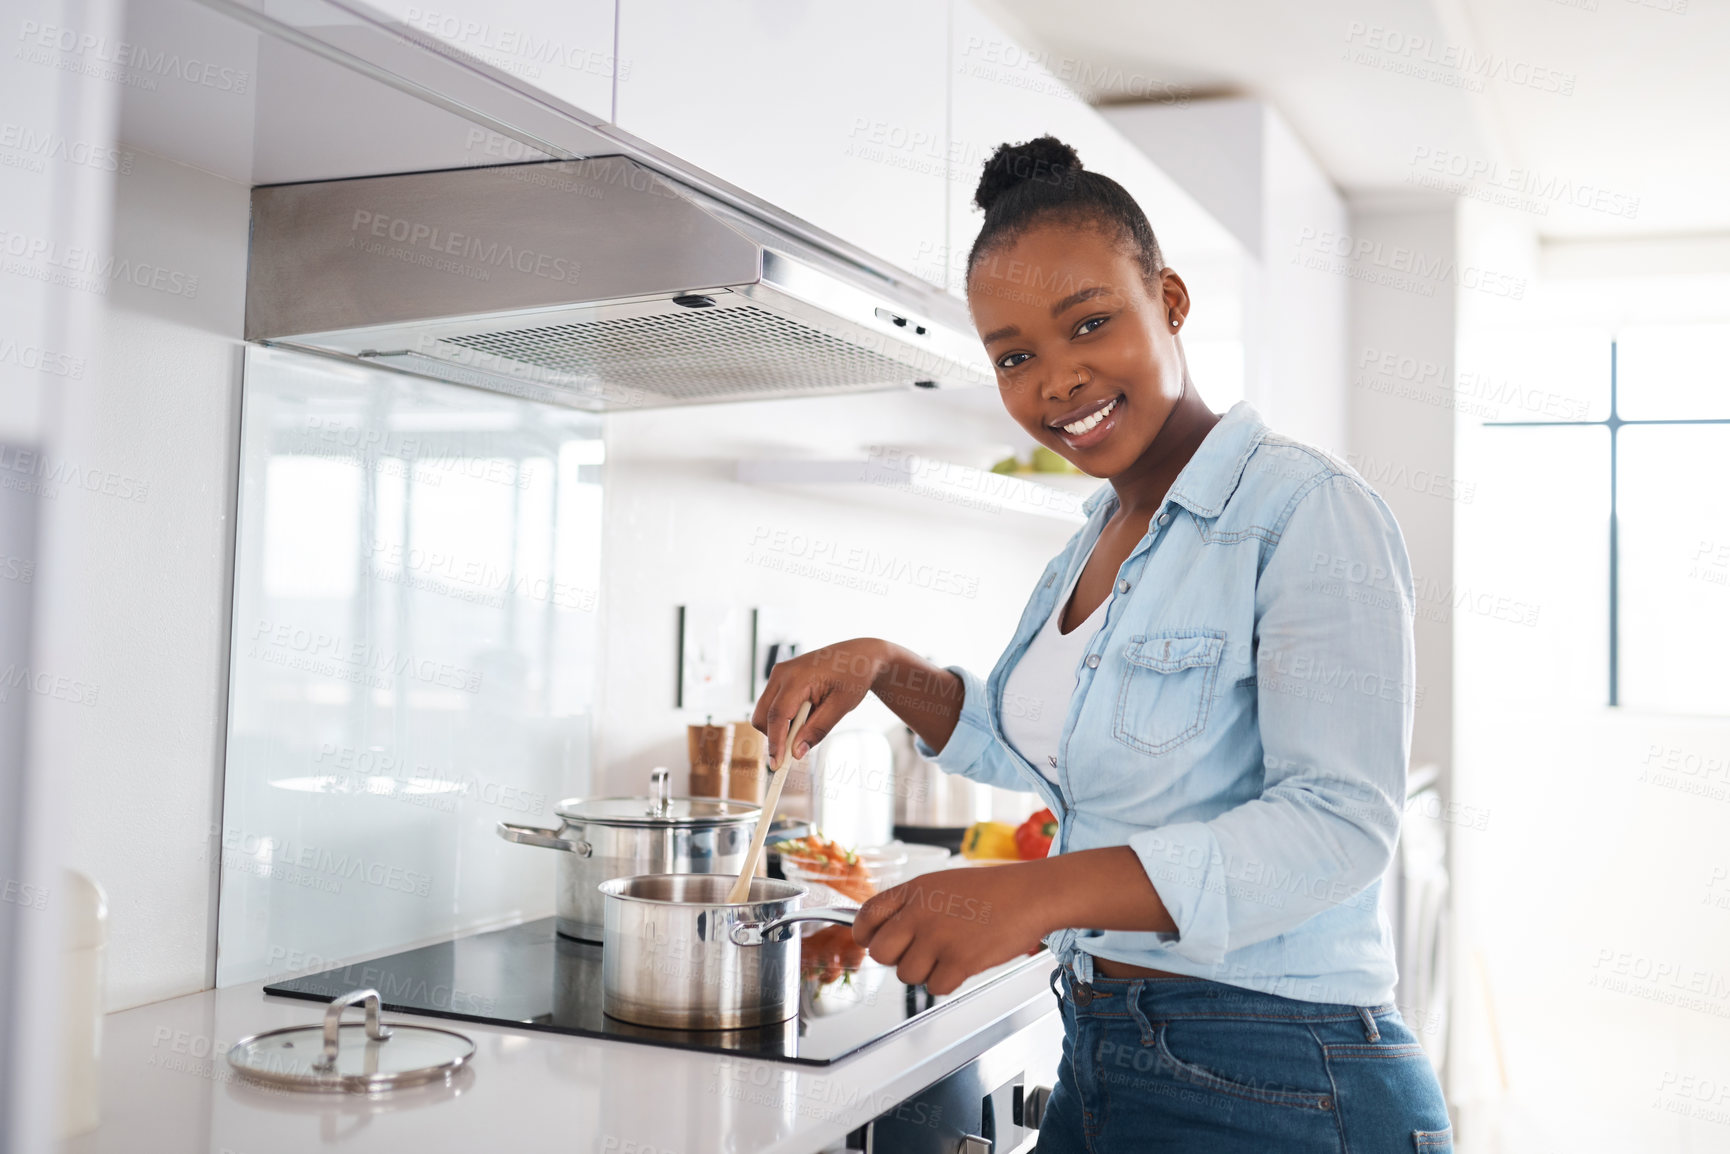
(745, 766)
(709, 746)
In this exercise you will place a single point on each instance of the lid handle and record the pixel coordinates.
(661, 789)
(375, 1029)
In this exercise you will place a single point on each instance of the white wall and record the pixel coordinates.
(1296, 325)
(1401, 420)
(150, 581)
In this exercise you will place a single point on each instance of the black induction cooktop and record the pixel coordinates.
(529, 977)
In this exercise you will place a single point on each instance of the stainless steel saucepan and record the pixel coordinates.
(679, 955)
(611, 837)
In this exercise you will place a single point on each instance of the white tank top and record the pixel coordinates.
(1037, 691)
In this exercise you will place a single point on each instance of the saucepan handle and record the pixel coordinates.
(545, 838)
(756, 933)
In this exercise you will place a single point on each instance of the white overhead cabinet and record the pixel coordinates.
(564, 48)
(833, 112)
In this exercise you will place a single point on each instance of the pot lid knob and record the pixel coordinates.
(661, 790)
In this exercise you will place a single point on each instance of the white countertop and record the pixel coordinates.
(166, 1085)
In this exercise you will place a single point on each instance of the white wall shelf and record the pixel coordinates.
(1054, 495)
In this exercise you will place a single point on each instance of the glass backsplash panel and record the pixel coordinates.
(415, 638)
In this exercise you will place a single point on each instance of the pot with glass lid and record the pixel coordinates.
(602, 838)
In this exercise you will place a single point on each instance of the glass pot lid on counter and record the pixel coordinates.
(338, 1056)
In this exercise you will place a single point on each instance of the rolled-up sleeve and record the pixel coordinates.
(1335, 684)
(973, 750)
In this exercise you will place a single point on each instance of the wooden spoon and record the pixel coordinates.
(777, 779)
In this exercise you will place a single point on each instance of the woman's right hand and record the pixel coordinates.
(837, 677)
(834, 679)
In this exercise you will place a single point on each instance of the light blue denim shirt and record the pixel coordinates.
(1242, 720)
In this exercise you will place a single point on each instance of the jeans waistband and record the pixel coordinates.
(1198, 998)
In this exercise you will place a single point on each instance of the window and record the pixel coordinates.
(1668, 546)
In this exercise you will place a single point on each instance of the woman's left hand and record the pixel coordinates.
(941, 928)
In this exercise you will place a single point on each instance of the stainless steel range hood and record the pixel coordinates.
(597, 283)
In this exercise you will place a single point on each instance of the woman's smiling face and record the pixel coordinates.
(1085, 352)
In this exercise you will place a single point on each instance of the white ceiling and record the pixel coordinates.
(1642, 139)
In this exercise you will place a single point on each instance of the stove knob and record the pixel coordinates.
(974, 1144)
(1030, 1105)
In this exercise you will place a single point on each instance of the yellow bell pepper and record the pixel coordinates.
(989, 839)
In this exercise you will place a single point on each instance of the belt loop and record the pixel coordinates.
(1055, 992)
(1370, 1030)
(1133, 997)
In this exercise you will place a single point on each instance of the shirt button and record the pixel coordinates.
(1093, 661)
(1164, 518)
(1123, 586)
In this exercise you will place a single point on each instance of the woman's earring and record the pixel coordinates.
(1174, 322)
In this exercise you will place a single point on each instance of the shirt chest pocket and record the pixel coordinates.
(1168, 687)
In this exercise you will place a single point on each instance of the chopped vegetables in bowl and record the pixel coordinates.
(818, 860)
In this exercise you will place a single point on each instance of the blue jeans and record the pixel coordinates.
(1187, 1064)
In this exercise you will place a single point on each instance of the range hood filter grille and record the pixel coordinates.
(709, 354)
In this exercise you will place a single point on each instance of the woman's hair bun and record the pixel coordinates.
(1044, 158)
